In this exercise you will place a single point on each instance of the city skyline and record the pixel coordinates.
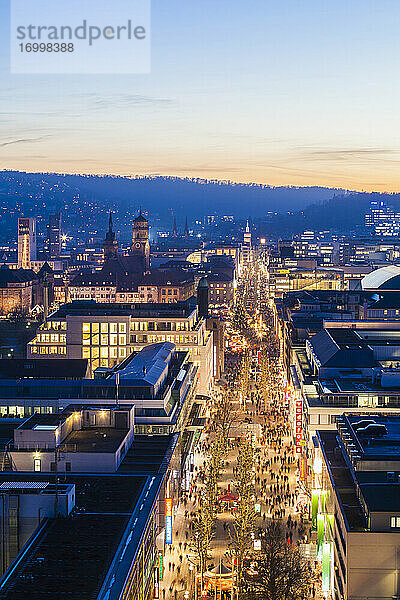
(281, 94)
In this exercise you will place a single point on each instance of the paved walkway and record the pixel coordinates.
(178, 582)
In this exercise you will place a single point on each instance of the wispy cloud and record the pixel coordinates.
(122, 100)
(347, 154)
(23, 141)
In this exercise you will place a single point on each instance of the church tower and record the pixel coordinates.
(140, 239)
(175, 229)
(110, 243)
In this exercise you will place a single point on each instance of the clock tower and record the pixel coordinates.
(140, 239)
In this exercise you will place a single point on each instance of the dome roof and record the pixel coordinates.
(385, 278)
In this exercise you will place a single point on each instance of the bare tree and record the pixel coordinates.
(225, 416)
(282, 573)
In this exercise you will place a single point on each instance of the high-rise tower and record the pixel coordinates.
(54, 236)
(140, 240)
(246, 246)
(110, 243)
(26, 242)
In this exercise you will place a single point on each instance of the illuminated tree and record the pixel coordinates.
(240, 317)
(204, 521)
(282, 572)
(244, 516)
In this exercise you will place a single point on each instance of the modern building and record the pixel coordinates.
(68, 441)
(106, 334)
(111, 455)
(88, 535)
(382, 219)
(26, 242)
(356, 506)
(161, 383)
(247, 245)
(348, 365)
(385, 278)
(53, 242)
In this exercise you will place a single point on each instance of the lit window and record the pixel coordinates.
(104, 328)
(122, 327)
(85, 352)
(104, 340)
(86, 327)
(113, 339)
(122, 352)
(95, 328)
(104, 352)
(113, 327)
(122, 340)
(37, 464)
(395, 522)
(113, 353)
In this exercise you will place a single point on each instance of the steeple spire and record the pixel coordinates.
(175, 231)
(186, 228)
(247, 226)
(110, 243)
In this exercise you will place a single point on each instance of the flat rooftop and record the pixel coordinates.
(39, 419)
(56, 368)
(342, 481)
(94, 439)
(384, 497)
(73, 557)
(376, 448)
(139, 310)
(346, 384)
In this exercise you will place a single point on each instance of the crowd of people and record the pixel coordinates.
(275, 467)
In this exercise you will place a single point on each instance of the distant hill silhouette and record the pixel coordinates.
(161, 194)
(86, 199)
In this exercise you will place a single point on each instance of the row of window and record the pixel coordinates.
(175, 339)
(48, 350)
(54, 325)
(104, 327)
(53, 338)
(104, 339)
(96, 352)
(160, 326)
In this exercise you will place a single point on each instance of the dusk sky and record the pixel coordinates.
(298, 92)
